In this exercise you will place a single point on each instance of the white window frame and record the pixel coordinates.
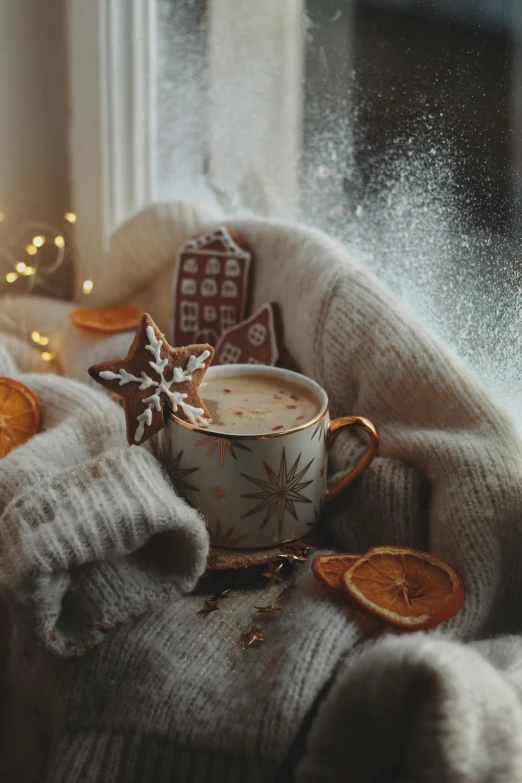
(113, 129)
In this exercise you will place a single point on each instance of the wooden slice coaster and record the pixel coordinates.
(220, 559)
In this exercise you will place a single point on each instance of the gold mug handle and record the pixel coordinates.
(335, 428)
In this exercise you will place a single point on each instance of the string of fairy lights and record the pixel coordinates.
(33, 270)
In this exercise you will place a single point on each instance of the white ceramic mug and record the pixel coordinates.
(259, 490)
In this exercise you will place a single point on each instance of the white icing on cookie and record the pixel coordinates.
(193, 414)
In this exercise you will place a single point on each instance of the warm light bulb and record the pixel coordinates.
(11, 277)
(59, 241)
(20, 267)
(71, 217)
(35, 337)
(2, 216)
(29, 270)
(38, 240)
(44, 341)
(87, 286)
(31, 250)
(46, 356)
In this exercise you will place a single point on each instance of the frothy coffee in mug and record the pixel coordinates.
(257, 404)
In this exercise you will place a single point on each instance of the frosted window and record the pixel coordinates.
(409, 151)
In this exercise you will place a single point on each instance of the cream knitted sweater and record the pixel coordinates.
(168, 696)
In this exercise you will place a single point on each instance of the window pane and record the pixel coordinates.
(411, 148)
(409, 151)
(181, 90)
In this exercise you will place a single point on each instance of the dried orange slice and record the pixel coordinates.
(406, 587)
(19, 415)
(328, 569)
(108, 320)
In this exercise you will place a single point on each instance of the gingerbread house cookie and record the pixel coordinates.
(253, 341)
(210, 287)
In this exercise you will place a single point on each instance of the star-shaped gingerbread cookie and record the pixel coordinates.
(154, 374)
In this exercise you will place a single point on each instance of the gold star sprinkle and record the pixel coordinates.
(272, 573)
(222, 594)
(222, 445)
(292, 558)
(286, 592)
(299, 548)
(254, 635)
(208, 607)
(218, 492)
(267, 609)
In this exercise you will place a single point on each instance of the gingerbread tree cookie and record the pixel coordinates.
(210, 286)
(253, 341)
(154, 375)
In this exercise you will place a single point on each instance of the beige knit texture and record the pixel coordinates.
(171, 696)
(84, 519)
(449, 472)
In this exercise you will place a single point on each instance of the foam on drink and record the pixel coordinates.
(257, 404)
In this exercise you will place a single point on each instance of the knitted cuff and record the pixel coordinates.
(81, 436)
(426, 705)
(95, 545)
